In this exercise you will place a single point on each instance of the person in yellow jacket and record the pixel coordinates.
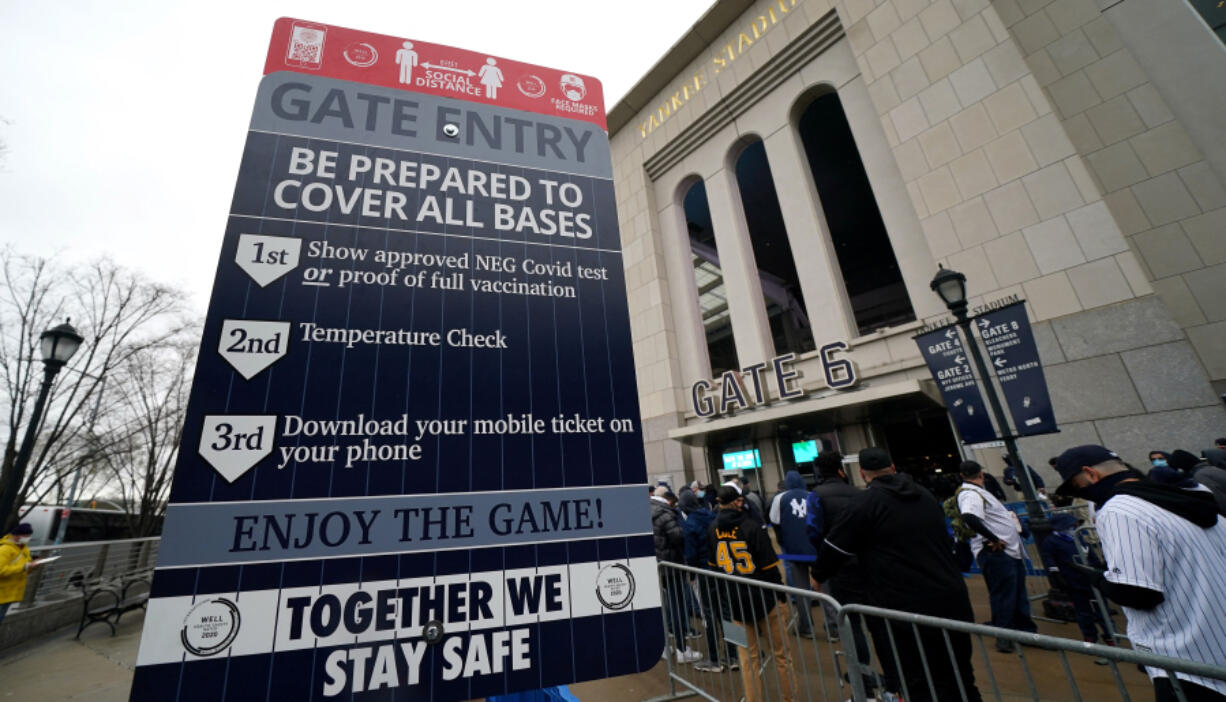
(15, 564)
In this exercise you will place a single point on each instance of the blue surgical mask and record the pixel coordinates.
(702, 493)
(1159, 462)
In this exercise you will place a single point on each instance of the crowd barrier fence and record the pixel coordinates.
(848, 651)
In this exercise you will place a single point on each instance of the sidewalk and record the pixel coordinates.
(98, 667)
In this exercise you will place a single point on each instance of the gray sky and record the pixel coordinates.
(125, 120)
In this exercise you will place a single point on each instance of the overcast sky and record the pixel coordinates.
(125, 121)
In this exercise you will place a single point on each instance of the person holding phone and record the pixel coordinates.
(15, 564)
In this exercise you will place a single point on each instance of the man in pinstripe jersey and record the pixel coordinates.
(1165, 548)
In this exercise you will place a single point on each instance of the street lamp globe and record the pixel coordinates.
(58, 344)
(951, 286)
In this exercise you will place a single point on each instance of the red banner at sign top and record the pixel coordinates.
(418, 66)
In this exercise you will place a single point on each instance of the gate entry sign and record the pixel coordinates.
(411, 466)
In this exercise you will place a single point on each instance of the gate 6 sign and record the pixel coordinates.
(411, 466)
(738, 390)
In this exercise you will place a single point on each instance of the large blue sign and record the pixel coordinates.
(411, 466)
(951, 366)
(1014, 357)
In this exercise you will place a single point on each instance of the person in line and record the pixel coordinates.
(896, 530)
(992, 485)
(753, 500)
(997, 548)
(1011, 479)
(827, 502)
(740, 546)
(788, 515)
(698, 555)
(15, 565)
(1059, 550)
(1199, 472)
(670, 548)
(1165, 548)
(741, 486)
(773, 509)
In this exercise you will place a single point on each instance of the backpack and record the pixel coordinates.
(962, 532)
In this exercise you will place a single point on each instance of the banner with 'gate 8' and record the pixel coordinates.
(411, 466)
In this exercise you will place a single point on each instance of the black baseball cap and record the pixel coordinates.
(1071, 462)
(969, 469)
(727, 495)
(874, 458)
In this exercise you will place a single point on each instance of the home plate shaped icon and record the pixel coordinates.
(267, 258)
(234, 443)
(250, 346)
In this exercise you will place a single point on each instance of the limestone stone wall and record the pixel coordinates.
(1047, 148)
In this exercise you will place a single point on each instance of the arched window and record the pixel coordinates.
(870, 270)
(709, 277)
(785, 305)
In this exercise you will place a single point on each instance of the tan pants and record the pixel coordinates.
(772, 631)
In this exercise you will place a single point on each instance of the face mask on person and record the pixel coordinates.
(23, 540)
(1104, 489)
(702, 493)
(1159, 462)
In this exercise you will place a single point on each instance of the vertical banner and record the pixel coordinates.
(950, 364)
(1007, 335)
(411, 466)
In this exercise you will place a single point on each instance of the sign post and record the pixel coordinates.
(411, 466)
(1009, 341)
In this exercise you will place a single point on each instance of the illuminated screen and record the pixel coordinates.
(805, 451)
(740, 460)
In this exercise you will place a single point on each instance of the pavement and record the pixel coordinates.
(98, 667)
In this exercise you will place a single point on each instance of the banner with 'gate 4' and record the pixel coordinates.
(411, 466)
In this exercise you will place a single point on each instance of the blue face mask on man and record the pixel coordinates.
(1159, 462)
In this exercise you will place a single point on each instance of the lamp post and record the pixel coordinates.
(950, 285)
(57, 345)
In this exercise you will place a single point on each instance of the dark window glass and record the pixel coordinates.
(772, 253)
(709, 277)
(870, 270)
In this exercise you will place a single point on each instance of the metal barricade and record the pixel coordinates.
(1089, 552)
(83, 567)
(862, 653)
(718, 651)
(939, 663)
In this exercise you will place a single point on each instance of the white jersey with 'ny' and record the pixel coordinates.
(1149, 547)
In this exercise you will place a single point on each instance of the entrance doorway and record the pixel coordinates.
(923, 445)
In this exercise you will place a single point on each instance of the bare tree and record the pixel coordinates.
(119, 312)
(138, 441)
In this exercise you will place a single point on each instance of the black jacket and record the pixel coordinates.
(896, 530)
(741, 547)
(835, 495)
(670, 541)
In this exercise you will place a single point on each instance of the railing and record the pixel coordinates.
(864, 653)
(82, 567)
